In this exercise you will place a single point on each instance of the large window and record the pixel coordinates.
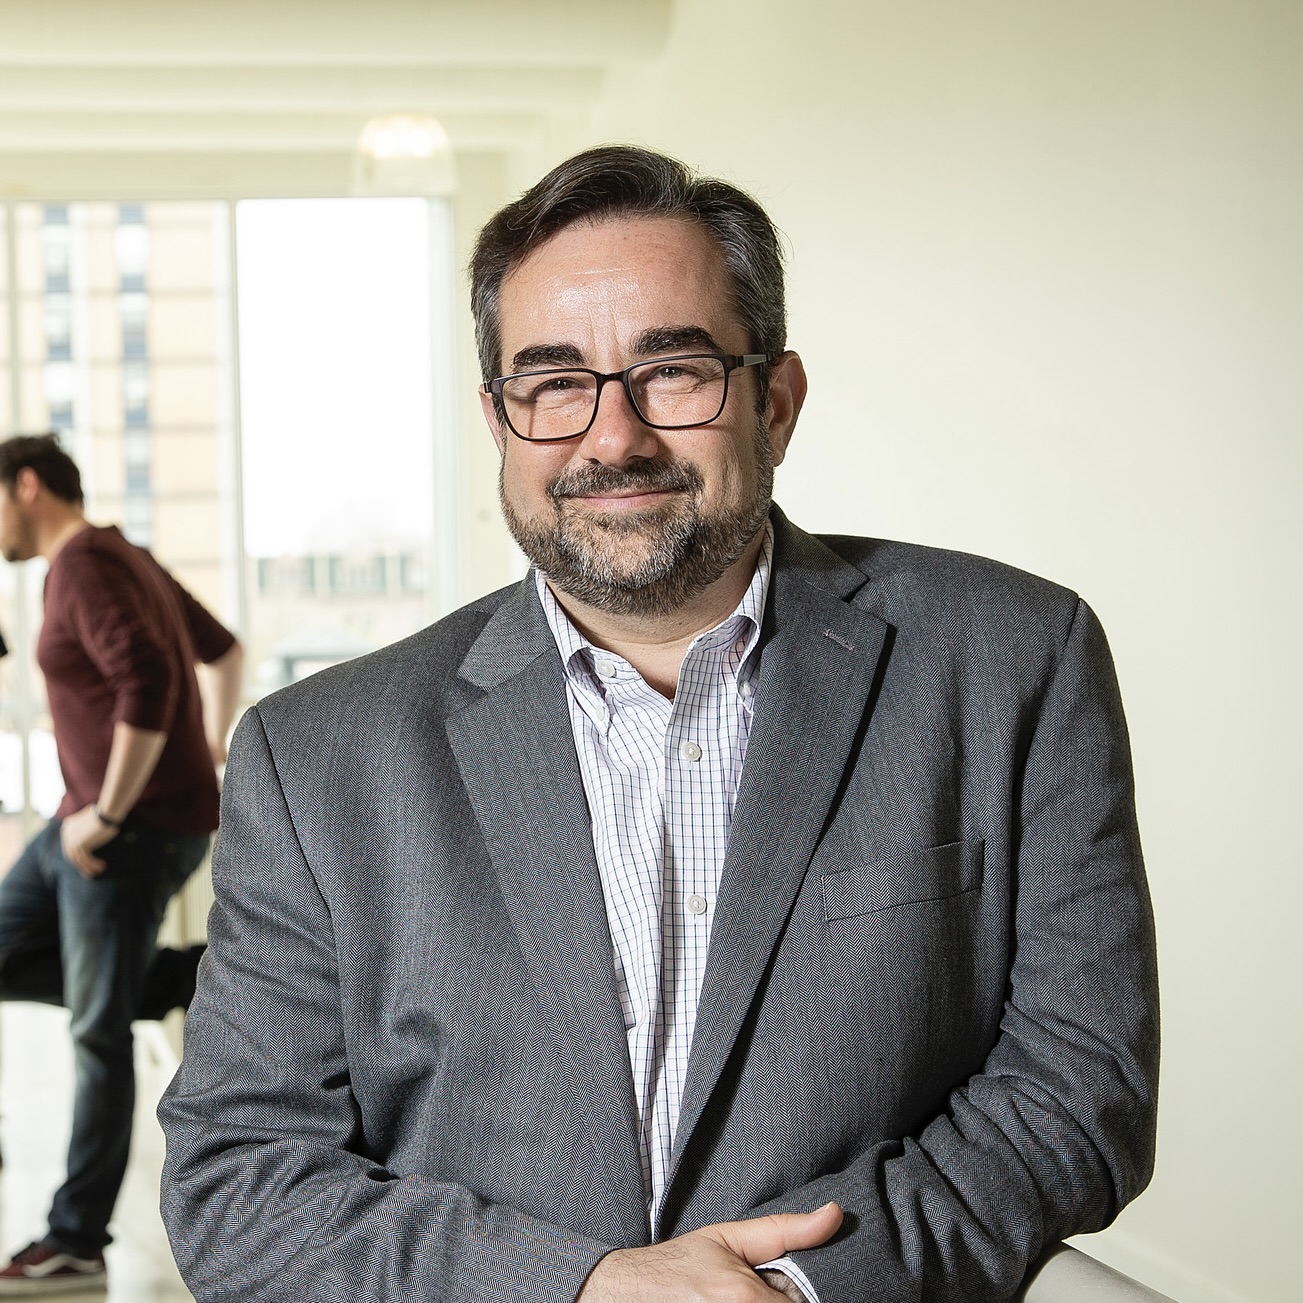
(251, 391)
(336, 387)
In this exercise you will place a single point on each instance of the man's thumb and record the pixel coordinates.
(762, 1239)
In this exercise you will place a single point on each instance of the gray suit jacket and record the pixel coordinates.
(930, 994)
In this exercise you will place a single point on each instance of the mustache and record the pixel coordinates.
(651, 476)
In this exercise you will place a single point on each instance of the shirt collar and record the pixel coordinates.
(577, 653)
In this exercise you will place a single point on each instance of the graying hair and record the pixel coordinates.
(615, 181)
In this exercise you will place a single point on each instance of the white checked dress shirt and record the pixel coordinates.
(661, 779)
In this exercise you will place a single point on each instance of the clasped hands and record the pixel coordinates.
(716, 1264)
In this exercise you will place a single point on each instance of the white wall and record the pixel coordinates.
(1046, 280)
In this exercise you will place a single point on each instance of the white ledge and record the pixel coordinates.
(1066, 1275)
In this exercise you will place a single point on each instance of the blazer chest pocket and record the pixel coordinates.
(905, 877)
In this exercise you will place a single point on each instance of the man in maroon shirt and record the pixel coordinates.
(80, 910)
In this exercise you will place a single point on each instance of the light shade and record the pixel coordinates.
(403, 154)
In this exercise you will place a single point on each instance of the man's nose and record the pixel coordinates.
(618, 434)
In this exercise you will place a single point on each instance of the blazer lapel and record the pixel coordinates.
(818, 664)
(516, 753)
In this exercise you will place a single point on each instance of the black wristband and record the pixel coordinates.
(105, 819)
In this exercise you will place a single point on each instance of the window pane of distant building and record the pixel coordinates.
(58, 326)
(138, 518)
(131, 243)
(136, 451)
(59, 382)
(133, 311)
(56, 247)
(135, 383)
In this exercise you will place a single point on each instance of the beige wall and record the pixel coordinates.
(1046, 279)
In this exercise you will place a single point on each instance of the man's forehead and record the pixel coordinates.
(625, 275)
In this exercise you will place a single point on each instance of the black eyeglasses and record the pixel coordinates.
(670, 393)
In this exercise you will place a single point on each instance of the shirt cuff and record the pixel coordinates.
(792, 1272)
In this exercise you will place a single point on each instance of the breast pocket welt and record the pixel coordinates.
(906, 876)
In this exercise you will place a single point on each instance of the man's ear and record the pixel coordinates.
(787, 386)
(489, 408)
(27, 486)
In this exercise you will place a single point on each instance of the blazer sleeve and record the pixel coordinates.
(266, 1191)
(1056, 1132)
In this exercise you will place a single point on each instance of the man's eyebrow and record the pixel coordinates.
(657, 341)
(544, 355)
(674, 339)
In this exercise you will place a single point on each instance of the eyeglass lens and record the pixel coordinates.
(671, 393)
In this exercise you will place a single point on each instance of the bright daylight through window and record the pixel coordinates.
(118, 328)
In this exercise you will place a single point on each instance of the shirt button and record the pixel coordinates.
(690, 751)
(696, 904)
(605, 668)
(744, 688)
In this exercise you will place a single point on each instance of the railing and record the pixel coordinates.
(1065, 1275)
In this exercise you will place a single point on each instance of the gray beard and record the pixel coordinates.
(679, 551)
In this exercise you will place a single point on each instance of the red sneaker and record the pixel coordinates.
(42, 1269)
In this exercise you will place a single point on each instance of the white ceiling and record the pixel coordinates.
(174, 97)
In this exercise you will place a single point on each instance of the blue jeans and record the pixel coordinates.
(88, 943)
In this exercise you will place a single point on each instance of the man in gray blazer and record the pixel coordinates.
(720, 913)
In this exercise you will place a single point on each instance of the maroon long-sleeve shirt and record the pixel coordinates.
(119, 643)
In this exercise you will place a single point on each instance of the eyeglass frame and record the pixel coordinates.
(731, 361)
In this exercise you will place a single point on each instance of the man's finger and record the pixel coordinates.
(762, 1239)
(88, 865)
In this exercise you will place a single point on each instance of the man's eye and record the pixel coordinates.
(548, 385)
(683, 376)
(556, 388)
